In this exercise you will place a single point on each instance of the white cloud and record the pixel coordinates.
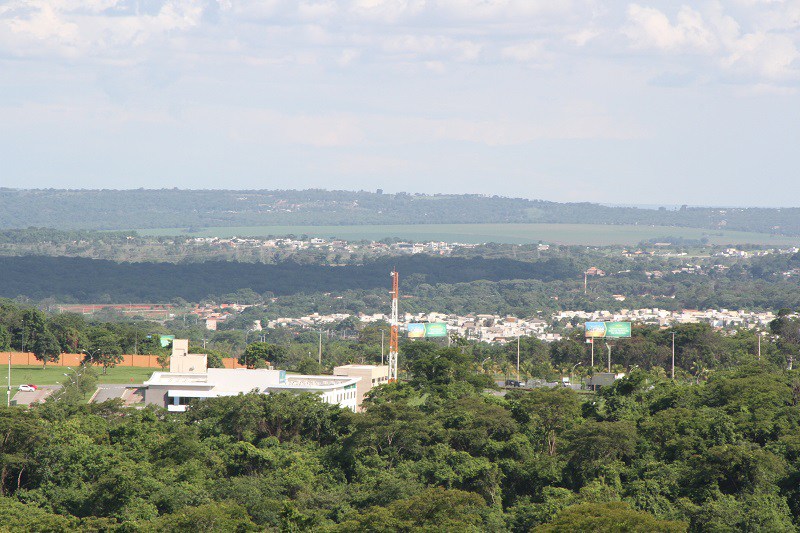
(650, 28)
(317, 10)
(769, 55)
(412, 46)
(524, 52)
(754, 53)
(581, 37)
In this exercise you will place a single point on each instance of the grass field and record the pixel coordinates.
(587, 234)
(55, 374)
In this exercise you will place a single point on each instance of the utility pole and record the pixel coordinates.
(517, 357)
(673, 356)
(381, 347)
(320, 347)
(8, 400)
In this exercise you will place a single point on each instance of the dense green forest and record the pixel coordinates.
(127, 209)
(428, 283)
(434, 453)
(85, 280)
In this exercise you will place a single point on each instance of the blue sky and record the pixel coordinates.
(624, 102)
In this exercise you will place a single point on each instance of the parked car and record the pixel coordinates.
(28, 388)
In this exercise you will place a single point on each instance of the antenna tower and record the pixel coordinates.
(394, 329)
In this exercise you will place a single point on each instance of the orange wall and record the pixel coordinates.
(73, 359)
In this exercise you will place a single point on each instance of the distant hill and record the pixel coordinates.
(165, 208)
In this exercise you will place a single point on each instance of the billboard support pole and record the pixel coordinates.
(394, 324)
(609, 357)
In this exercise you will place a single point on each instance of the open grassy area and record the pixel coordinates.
(586, 234)
(55, 374)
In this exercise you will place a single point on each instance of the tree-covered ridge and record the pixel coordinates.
(78, 279)
(432, 454)
(144, 208)
(461, 285)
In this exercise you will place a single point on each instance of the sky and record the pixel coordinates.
(617, 102)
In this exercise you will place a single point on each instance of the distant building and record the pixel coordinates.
(182, 362)
(189, 379)
(370, 376)
(175, 390)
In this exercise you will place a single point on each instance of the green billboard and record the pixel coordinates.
(436, 329)
(608, 330)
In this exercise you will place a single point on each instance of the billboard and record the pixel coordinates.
(436, 329)
(416, 331)
(420, 330)
(608, 330)
(166, 340)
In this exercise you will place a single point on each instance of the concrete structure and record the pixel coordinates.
(371, 376)
(175, 390)
(183, 362)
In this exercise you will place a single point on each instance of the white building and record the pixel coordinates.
(175, 390)
(190, 378)
(369, 376)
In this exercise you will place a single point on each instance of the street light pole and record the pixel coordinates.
(759, 346)
(673, 356)
(573, 370)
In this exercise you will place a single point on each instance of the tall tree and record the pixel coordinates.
(46, 347)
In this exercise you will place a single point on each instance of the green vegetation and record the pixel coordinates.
(22, 327)
(171, 208)
(570, 234)
(490, 281)
(69, 279)
(55, 374)
(436, 453)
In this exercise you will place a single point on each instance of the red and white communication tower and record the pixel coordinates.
(395, 324)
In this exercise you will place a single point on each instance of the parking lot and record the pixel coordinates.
(129, 394)
(31, 397)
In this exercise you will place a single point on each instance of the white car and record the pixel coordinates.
(27, 388)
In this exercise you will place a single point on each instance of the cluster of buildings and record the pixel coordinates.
(189, 378)
(501, 329)
(718, 318)
(336, 246)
